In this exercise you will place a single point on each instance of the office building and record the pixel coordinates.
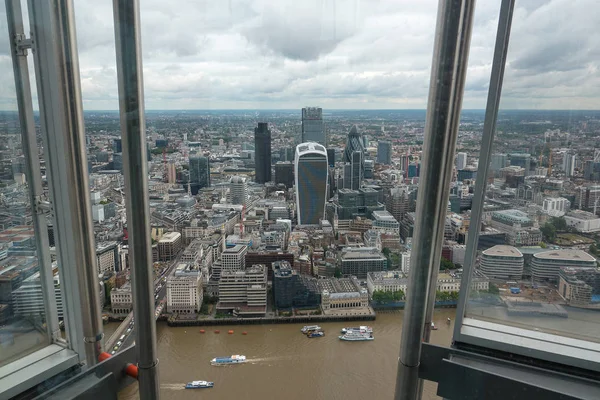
(356, 203)
(313, 129)
(556, 206)
(579, 286)
(342, 293)
(117, 146)
(522, 160)
(517, 226)
(262, 153)
(591, 170)
(284, 173)
(385, 222)
(243, 293)
(358, 261)
(169, 245)
(234, 258)
(545, 265)
(28, 299)
(291, 289)
(238, 190)
(108, 257)
(331, 158)
(311, 183)
(461, 161)
(502, 262)
(121, 300)
(369, 167)
(384, 152)
(354, 143)
(184, 290)
(386, 281)
(353, 171)
(583, 221)
(117, 161)
(569, 161)
(199, 173)
(498, 161)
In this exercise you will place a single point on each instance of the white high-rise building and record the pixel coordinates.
(238, 190)
(311, 172)
(461, 161)
(569, 164)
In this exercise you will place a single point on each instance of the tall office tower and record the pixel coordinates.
(284, 173)
(262, 153)
(117, 146)
(331, 157)
(171, 173)
(569, 164)
(199, 173)
(498, 162)
(311, 183)
(522, 160)
(238, 190)
(384, 152)
(369, 167)
(353, 143)
(461, 161)
(353, 172)
(313, 129)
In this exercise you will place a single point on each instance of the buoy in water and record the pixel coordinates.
(202, 331)
(230, 332)
(217, 331)
(244, 333)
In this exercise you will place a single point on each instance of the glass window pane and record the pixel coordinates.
(539, 240)
(23, 323)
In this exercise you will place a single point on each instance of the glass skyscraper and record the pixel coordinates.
(199, 173)
(262, 153)
(313, 129)
(311, 183)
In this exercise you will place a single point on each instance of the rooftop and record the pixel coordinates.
(580, 214)
(566, 255)
(169, 237)
(503, 250)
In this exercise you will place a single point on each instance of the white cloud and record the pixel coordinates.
(334, 53)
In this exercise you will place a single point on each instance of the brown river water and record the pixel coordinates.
(285, 364)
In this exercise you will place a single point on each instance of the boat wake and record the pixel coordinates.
(263, 359)
(173, 386)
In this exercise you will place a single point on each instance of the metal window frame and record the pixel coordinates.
(497, 336)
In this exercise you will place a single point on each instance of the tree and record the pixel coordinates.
(560, 224)
(549, 231)
(337, 272)
(493, 289)
(446, 264)
(543, 245)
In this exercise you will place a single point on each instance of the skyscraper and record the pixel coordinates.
(117, 146)
(353, 171)
(384, 152)
(498, 161)
(311, 183)
(262, 153)
(199, 173)
(313, 129)
(238, 190)
(461, 161)
(353, 143)
(569, 164)
(331, 157)
(284, 173)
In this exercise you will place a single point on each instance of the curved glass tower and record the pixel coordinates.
(310, 166)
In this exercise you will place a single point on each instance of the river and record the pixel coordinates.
(284, 364)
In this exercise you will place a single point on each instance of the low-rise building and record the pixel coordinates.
(343, 293)
(578, 285)
(583, 221)
(386, 281)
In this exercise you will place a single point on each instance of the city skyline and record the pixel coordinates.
(249, 56)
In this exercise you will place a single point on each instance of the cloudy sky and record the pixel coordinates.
(344, 54)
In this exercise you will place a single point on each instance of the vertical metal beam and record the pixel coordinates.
(487, 141)
(135, 169)
(61, 116)
(16, 36)
(450, 56)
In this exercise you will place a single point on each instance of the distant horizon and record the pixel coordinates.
(334, 109)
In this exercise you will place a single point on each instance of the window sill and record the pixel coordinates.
(35, 368)
(529, 343)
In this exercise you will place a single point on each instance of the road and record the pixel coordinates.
(127, 326)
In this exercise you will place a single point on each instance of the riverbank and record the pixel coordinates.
(309, 319)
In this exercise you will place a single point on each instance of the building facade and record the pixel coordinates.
(291, 289)
(311, 183)
(262, 153)
(244, 293)
(184, 293)
(545, 266)
(238, 190)
(359, 261)
(199, 173)
(313, 129)
(234, 258)
(502, 262)
(169, 245)
(384, 152)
